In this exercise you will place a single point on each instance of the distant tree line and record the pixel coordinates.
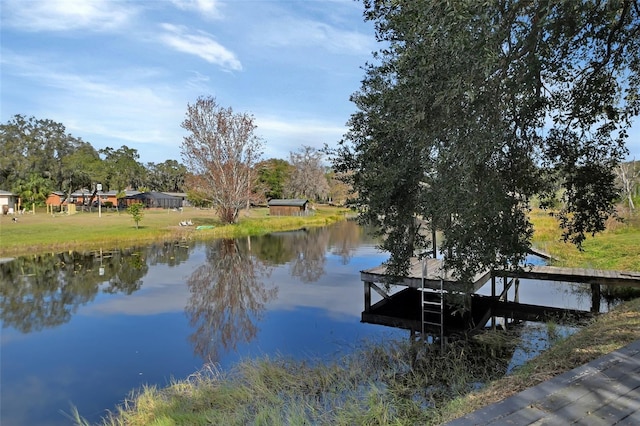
(38, 156)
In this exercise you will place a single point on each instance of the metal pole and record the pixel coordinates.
(424, 274)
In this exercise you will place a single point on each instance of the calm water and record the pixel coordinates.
(86, 329)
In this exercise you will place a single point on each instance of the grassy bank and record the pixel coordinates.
(617, 248)
(606, 334)
(43, 232)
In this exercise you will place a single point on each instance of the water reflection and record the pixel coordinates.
(44, 291)
(86, 328)
(305, 250)
(228, 298)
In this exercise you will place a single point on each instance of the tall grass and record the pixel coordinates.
(380, 384)
(605, 334)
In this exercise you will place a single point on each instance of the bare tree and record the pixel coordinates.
(307, 178)
(628, 176)
(221, 151)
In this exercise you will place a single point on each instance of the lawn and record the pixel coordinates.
(45, 232)
(617, 248)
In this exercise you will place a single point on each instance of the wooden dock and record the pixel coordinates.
(575, 275)
(435, 272)
(605, 391)
(425, 277)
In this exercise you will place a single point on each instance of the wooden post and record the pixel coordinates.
(595, 298)
(433, 240)
(493, 295)
(504, 289)
(367, 296)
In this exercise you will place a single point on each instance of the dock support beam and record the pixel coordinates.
(367, 296)
(595, 298)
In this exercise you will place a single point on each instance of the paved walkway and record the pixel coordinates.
(605, 391)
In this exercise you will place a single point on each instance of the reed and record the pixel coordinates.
(379, 384)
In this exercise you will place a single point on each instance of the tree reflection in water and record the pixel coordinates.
(310, 247)
(43, 291)
(305, 250)
(228, 298)
(345, 237)
(227, 293)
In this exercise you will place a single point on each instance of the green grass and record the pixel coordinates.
(606, 334)
(378, 385)
(617, 248)
(44, 232)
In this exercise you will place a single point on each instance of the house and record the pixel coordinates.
(84, 196)
(8, 202)
(289, 207)
(154, 200)
(182, 196)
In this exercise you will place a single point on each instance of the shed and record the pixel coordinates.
(154, 200)
(8, 201)
(289, 207)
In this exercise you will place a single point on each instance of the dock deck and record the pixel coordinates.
(605, 391)
(436, 272)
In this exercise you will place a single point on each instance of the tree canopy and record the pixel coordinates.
(38, 156)
(272, 177)
(469, 109)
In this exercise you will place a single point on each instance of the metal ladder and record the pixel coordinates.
(429, 307)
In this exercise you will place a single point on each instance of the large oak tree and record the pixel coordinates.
(221, 151)
(470, 109)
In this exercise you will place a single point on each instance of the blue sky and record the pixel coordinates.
(122, 72)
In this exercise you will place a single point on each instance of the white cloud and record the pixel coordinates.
(287, 134)
(207, 8)
(65, 15)
(300, 127)
(200, 44)
(296, 32)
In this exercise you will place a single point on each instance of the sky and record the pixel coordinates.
(123, 72)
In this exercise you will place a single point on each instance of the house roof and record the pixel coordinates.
(293, 202)
(3, 192)
(154, 195)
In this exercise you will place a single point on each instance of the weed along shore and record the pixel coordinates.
(42, 232)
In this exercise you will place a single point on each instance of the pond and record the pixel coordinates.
(84, 329)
